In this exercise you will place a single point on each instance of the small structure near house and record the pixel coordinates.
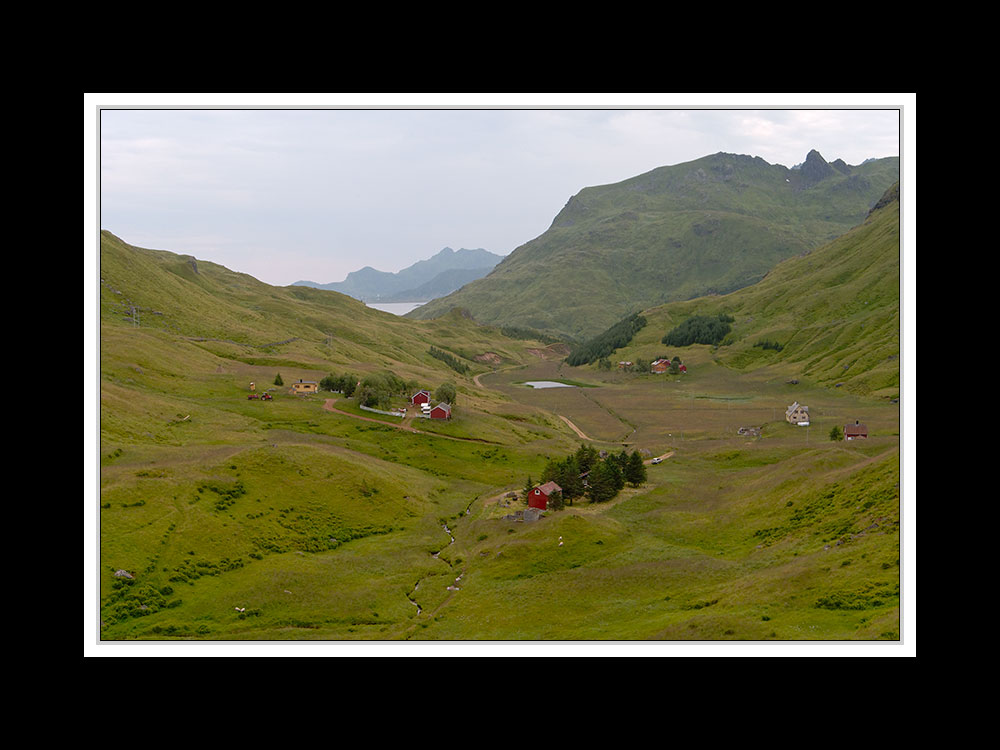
(305, 386)
(797, 414)
(420, 397)
(539, 496)
(855, 431)
(528, 514)
(441, 411)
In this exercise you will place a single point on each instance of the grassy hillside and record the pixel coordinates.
(709, 226)
(833, 314)
(225, 518)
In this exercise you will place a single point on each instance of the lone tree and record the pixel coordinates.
(278, 380)
(446, 392)
(635, 470)
(836, 434)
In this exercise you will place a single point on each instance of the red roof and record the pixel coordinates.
(548, 488)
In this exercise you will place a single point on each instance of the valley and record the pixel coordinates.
(307, 518)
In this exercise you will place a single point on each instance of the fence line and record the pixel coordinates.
(379, 411)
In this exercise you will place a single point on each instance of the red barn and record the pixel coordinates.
(420, 397)
(441, 411)
(539, 497)
(855, 431)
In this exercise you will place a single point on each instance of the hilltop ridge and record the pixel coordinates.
(436, 276)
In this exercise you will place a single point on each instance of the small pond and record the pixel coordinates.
(547, 384)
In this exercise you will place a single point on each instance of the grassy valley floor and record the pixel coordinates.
(284, 520)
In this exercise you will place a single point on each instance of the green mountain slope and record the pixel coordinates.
(834, 313)
(235, 315)
(710, 226)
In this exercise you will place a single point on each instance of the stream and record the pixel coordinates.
(436, 556)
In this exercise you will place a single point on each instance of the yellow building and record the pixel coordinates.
(305, 386)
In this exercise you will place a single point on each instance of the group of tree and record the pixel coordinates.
(527, 334)
(449, 359)
(700, 329)
(602, 345)
(586, 473)
(345, 383)
(379, 388)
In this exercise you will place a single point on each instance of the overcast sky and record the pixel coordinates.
(314, 193)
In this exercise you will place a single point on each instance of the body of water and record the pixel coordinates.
(547, 384)
(396, 308)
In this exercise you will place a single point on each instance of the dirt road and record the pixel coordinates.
(665, 455)
(573, 427)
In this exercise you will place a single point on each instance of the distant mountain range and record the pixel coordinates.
(705, 227)
(425, 280)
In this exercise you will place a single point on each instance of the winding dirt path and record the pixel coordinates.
(575, 429)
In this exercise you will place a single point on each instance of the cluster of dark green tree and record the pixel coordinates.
(768, 344)
(527, 334)
(345, 383)
(602, 345)
(449, 359)
(700, 329)
(586, 474)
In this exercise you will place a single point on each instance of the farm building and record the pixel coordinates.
(420, 397)
(305, 386)
(855, 431)
(797, 414)
(664, 365)
(539, 496)
(441, 411)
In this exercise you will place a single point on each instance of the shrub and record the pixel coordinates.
(446, 392)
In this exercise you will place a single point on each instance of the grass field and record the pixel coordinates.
(225, 519)
(326, 527)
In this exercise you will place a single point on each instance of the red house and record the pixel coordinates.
(441, 411)
(660, 365)
(539, 497)
(855, 431)
(420, 397)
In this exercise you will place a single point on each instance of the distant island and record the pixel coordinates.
(438, 276)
